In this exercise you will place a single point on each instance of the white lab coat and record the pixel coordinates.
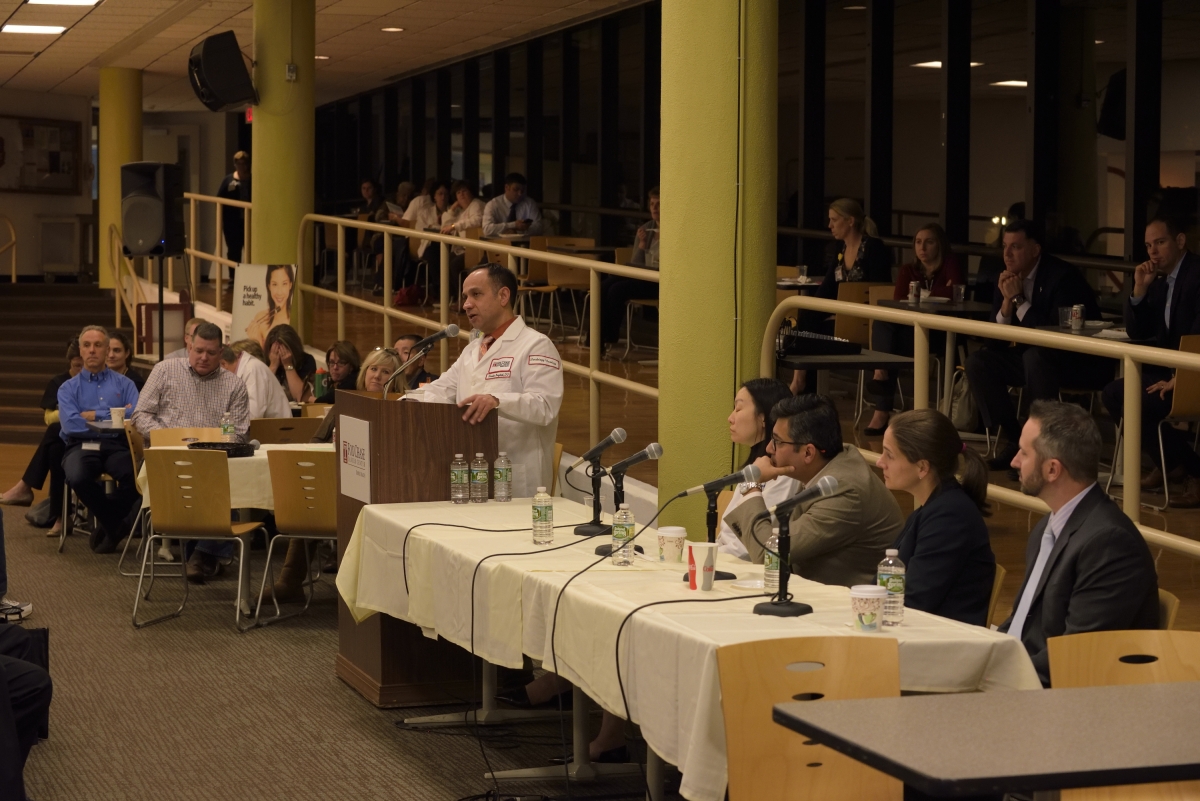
(523, 370)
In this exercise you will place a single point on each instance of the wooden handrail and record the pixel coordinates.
(117, 261)
(194, 253)
(11, 246)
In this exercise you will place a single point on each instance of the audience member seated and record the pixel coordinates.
(88, 397)
(750, 424)
(120, 358)
(430, 216)
(416, 374)
(265, 397)
(422, 200)
(1088, 568)
(189, 328)
(513, 212)
(10, 611)
(839, 539)
(944, 545)
(342, 361)
(465, 213)
(378, 366)
(251, 347)
(1029, 293)
(937, 271)
(25, 693)
(281, 283)
(1164, 306)
(47, 459)
(291, 364)
(196, 394)
(617, 291)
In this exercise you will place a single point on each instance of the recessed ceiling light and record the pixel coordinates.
(51, 29)
(321, 58)
(937, 65)
(1010, 83)
(854, 8)
(62, 2)
(1099, 41)
(391, 30)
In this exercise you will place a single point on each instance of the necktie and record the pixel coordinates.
(1035, 576)
(1170, 292)
(512, 213)
(483, 347)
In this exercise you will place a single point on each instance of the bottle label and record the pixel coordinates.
(503, 475)
(622, 532)
(893, 582)
(458, 476)
(479, 476)
(770, 561)
(543, 514)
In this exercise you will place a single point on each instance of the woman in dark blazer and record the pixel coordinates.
(944, 545)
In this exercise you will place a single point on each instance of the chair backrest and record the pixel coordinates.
(330, 236)
(786, 271)
(304, 484)
(189, 492)
(536, 269)
(757, 675)
(318, 410)
(283, 430)
(161, 437)
(855, 329)
(137, 449)
(472, 256)
(1103, 658)
(570, 277)
(997, 582)
(1168, 608)
(622, 255)
(1186, 399)
(558, 449)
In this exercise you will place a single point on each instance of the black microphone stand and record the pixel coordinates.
(595, 528)
(412, 359)
(781, 604)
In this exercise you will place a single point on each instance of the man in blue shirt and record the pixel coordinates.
(84, 399)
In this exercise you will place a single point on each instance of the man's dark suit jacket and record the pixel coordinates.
(1100, 577)
(948, 559)
(1056, 284)
(1145, 320)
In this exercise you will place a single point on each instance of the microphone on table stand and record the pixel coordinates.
(419, 350)
(617, 474)
(782, 605)
(749, 473)
(596, 472)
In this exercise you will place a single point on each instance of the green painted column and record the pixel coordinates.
(283, 153)
(120, 143)
(718, 180)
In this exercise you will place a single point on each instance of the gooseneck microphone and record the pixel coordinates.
(615, 438)
(651, 451)
(825, 486)
(749, 473)
(428, 342)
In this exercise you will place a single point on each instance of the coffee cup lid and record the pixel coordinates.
(868, 591)
(672, 531)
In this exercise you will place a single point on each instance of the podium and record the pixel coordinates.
(408, 447)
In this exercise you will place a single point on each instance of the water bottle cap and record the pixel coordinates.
(541, 489)
(503, 453)
(479, 456)
(775, 530)
(624, 506)
(892, 552)
(458, 456)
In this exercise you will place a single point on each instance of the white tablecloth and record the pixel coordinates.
(249, 477)
(668, 653)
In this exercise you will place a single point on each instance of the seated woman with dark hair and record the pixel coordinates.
(292, 365)
(936, 269)
(343, 360)
(120, 358)
(944, 545)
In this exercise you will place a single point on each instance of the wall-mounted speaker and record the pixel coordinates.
(152, 209)
(218, 74)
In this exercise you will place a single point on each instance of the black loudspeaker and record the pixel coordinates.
(218, 74)
(1112, 110)
(152, 209)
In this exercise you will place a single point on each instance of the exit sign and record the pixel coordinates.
(250, 115)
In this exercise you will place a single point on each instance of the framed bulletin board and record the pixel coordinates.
(42, 156)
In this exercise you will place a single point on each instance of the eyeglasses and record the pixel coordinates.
(332, 363)
(776, 441)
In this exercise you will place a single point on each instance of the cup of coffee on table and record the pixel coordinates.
(670, 543)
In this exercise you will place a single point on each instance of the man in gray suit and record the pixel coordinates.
(838, 539)
(1087, 566)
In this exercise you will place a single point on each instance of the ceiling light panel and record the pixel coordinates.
(52, 30)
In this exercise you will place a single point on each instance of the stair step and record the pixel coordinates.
(31, 381)
(22, 434)
(27, 415)
(61, 290)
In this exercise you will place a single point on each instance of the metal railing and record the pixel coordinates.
(596, 377)
(10, 246)
(194, 254)
(1131, 356)
(121, 267)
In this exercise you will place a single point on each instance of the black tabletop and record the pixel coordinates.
(105, 426)
(866, 360)
(793, 286)
(968, 308)
(598, 250)
(1004, 741)
(1086, 331)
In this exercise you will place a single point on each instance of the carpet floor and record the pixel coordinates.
(191, 709)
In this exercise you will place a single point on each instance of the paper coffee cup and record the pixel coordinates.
(702, 562)
(670, 543)
(118, 415)
(866, 604)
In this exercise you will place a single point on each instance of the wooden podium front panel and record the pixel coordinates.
(389, 661)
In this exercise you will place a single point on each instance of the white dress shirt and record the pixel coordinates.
(415, 205)
(267, 398)
(774, 492)
(498, 210)
(1174, 274)
(427, 217)
(1027, 291)
(463, 219)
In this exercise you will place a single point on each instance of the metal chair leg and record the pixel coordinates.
(243, 578)
(137, 598)
(66, 517)
(1116, 451)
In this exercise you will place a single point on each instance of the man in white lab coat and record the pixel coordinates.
(509, 367)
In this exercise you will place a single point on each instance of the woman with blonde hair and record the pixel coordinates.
(377, 368)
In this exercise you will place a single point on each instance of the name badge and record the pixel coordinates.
(499, 367)
(91, 446)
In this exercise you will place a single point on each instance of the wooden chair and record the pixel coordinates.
(283, 430)
(1107, 658)
(315, 410)
(169, 437)
(856, 329)
(636, 303)
(1168, 608)
(572, 279)
(536, 281)
(137, 449)
(997, 582)
(304, 485)
(622, 255)
(189, 496)
(757, 675)
(558, 449)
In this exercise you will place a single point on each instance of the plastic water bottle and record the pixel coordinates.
(479, 479)
(771, 564)
(543, 518)
(891, 576)
(502, 477)
(460, 490)
(622, 536)
(228, 432)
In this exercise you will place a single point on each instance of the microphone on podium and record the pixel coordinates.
(429, 341)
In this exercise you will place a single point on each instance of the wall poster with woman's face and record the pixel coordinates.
(263, 295)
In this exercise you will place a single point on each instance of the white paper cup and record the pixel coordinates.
(670, 543)
(866, 604)
(702, 563)
(118, 415)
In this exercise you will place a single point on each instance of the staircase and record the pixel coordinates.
(36, 322)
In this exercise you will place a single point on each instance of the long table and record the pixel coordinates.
(667, 652)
